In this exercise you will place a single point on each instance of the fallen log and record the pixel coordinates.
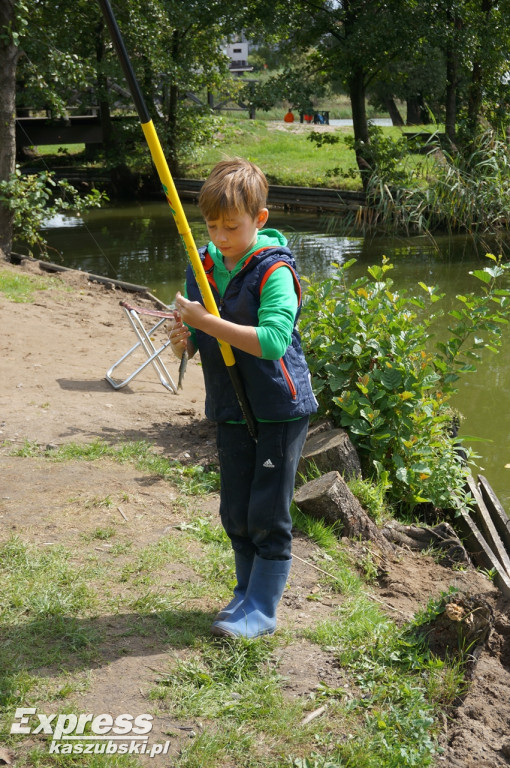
(442, 537)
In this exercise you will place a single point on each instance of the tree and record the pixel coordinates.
(23, 201)
(474, 37)
(489, 26)
(186, 61)
(348, 43)
(62, 65)
(11, 19)
(175, 49)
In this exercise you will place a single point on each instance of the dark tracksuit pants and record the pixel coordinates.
(257, 485)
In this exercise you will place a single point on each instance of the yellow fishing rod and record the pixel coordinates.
(174, 202)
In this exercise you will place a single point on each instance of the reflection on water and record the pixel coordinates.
(140, 244)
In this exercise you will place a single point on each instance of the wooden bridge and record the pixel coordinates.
(87, 129)
(79, 129)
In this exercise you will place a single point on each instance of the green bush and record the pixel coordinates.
(32, 198)
(377, 374)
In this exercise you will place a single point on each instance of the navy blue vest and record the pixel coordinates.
(277, 390)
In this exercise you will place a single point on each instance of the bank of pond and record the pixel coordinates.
(138, 243)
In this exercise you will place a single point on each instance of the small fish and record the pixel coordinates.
(182, 368)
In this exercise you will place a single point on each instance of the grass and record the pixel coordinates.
(286, 156)
(63, 149)
(401, 686)
(371, 496)
(191, 479)
(21, 288)
(69, 609)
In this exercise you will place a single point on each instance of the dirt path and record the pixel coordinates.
(54, 353)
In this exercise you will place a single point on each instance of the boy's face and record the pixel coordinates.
(235, 233)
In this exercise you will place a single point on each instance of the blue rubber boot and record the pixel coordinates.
(244, 565)
(256, 615)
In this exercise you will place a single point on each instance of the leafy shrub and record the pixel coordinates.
(386, 160)
(384, 155)
(376, 373)
(32, 198)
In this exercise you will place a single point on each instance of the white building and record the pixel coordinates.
(238, 55)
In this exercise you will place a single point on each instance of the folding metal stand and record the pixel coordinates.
(145, 342)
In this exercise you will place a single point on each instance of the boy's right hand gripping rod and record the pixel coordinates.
(177, 210)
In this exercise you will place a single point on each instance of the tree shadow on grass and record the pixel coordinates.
(196, 438)
(50, 646)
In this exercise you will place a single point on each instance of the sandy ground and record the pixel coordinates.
(54, 353)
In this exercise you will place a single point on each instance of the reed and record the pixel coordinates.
(466, 191)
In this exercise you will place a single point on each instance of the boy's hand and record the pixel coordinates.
(242, 337)
(179, 335)
(191, 312)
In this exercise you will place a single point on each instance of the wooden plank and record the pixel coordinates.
(314, 198)
(481, 553)
(498, 514)
(483, 519)
(74, 130)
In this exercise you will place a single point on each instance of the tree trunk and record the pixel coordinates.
(417, 113)
(102, 91)
(396, 117)
(413, 116)
(451, 83)
(475, 94)
(330, 450)
(328, 498)
(359, 121)
(8, 60)
(451, 95)
(171, 115)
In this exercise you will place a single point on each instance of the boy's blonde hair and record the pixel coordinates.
(234, 185)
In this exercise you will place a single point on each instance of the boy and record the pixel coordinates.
(254, 282)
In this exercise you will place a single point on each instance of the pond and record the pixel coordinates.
(140, 244)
